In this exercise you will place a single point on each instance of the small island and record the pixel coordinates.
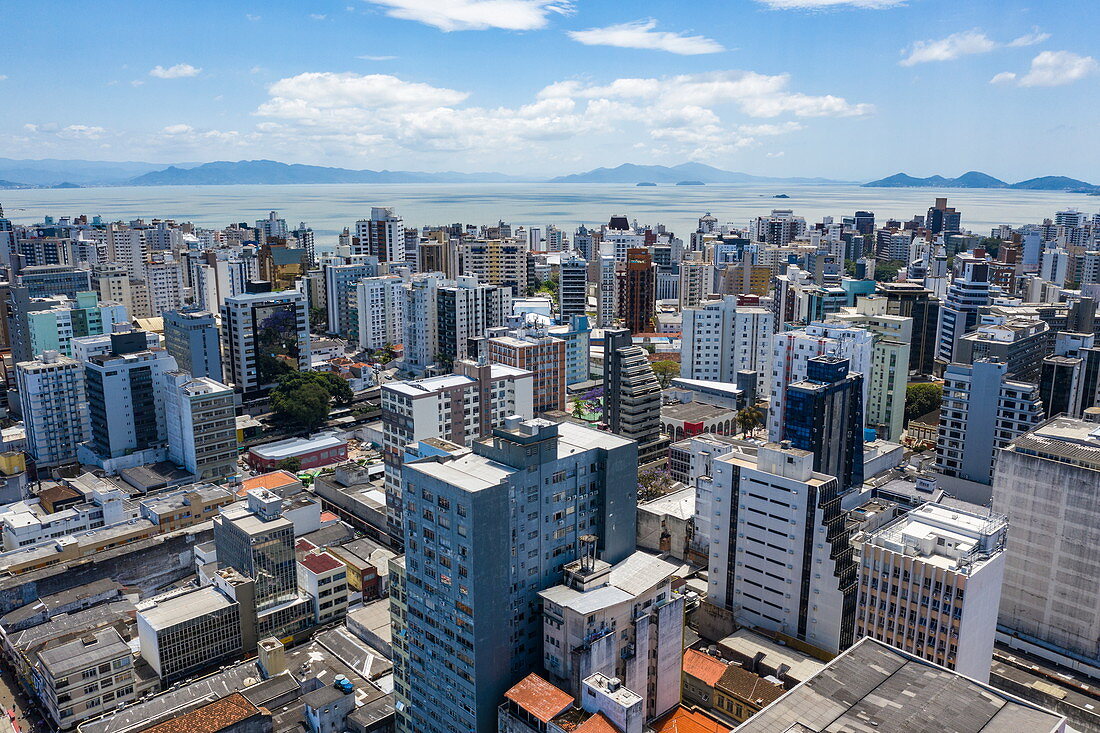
(781, 196)
(645, 183)
(691, 183)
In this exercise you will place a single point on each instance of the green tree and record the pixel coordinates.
(887, 270)
(749, 419)
(303, 398)
(318, 319)
(665, 370)
(292, 464)
(921, 399)
(578, 408)
(335, 385)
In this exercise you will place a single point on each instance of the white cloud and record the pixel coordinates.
(1004, 77)
(137, 83)
(757, 95)
(376, 58)
(317, 16)
(778, 154)
(465, 15)
(69, 132)
(955, 45)
(830, 4)
(1055, 68)
(334, 95)
(643, 34)
(179, 71)
(3, 77)
(1029, 39)
(250, 17)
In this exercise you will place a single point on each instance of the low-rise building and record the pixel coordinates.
(323, 449)
(184, 632)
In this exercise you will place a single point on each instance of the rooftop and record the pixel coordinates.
(874, 687)
(164, 613)
(703, 667)
(295, 446)
(744, 684)
(211, 718)
(682, 720)
(87, 651)
(272, 481)
(320, 562)
(539, 698)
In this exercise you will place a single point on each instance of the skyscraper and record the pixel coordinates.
(201, 426)
(825, 416)
(720, 338)
(380, 308)
(982, 412)
(382, 235)
(486, 530)
(572, 286)
(534, 350)
(968, 292)
(941, 218)
(632, 395)
(191, 337)
(265, 334)
(638, 291)
(54, 407)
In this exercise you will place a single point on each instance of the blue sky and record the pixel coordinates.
(840, 88)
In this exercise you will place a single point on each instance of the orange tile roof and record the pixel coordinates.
(682, 720)
(329, 517)
(703, 667)
(211, 718)
(742, 683)
(598, 723)
(270, 481)
(539, 698)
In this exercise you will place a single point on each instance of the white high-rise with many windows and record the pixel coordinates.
(380, 305)
(55, 409)
(720, 339)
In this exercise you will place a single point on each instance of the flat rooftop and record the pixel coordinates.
(874, 687)
(168, 612)
(296, 446)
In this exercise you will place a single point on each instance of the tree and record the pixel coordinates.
(302, 398)
(578, 408)
(749, 419)
(653, 483)
(665, 370)
(887, 270)
(921, 399)
(292, 464)
(318, 319)
(305, 404)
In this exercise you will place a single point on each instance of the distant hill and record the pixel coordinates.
(12, 184)
(633, 173)
(976, 179)
(264, 172)
(51, 171)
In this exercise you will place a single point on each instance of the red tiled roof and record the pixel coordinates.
(742, 683)
(681, 720)
(328, 517)
(270, 481)
(304, 546)
(320, 562)
(598, 723)
(703, 667)
(211, 718)
(539, 698)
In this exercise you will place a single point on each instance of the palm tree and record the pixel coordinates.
(749, 419)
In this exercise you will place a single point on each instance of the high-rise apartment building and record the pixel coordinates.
(779, 552)
(126, 403)
(825, 416)
(607, 292)
(720, 338)
(441, 316)
(910, 300)
(265, 334)
(534, 350)
(201, 426)
(54, 407)
(380, 308)
(486, 530)
(575, 332)
(496, 262)
(437, 407)
(341, 295)
(1021, 343)
(695, 282)
(191, 337)
(632, 395)
(982, 412)
(638, 290)
(1046, 482)
(929, 584)
(164, 279)
(968, 292)
(942, 218)
(383, 236)
(792, 350)
(622, 621)
(885, 407)
(52, 323)
(572, 286)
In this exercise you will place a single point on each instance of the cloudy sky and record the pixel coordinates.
(837, 88)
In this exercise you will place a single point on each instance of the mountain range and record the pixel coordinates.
(52, 173)
(977, 179)
(631, 173)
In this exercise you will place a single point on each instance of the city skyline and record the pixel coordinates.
(853, 89)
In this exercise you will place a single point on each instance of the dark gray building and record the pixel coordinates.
(191, 336)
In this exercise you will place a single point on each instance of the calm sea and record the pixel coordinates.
(331, 207)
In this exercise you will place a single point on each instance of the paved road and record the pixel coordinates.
(11, 696)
